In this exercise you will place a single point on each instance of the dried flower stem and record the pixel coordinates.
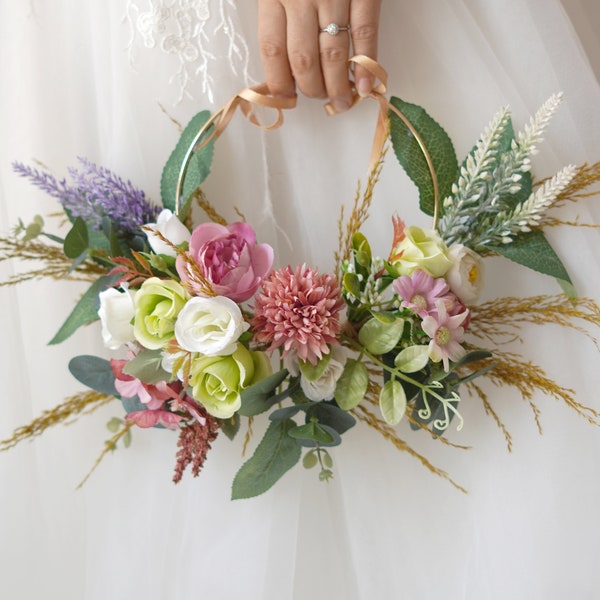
(109, 446)
(79, 404)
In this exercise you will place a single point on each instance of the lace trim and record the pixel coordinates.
(187, 30)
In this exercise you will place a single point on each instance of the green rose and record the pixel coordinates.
(421, 249)
(157, 304)
(217, 381)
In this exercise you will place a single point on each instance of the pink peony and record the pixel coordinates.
(228, 258)
(447, 334)
(298, 310)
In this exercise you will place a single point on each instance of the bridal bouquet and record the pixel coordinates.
(208, 333)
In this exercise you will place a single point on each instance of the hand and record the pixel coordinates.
(295, 52)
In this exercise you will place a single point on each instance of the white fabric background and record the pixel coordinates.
(77, 80)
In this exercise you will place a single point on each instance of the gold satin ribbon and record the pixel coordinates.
(258, 95)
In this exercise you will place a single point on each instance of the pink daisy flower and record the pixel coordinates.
(298, 310)
(421, 291)
(446, 333)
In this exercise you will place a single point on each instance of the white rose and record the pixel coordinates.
(210, 326)
(116, 314)
(465, 277)
(171, 228)
(323, 388)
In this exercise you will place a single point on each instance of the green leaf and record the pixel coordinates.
(392, 402)
(94, 372)
(534, 251)
(114, 424)
(412, 359)
(329, 414)
(310, 459)
(76, 241)
(410, 155)
(147, 367)
(86, 310)
(313, 372)
(259, 397)
(230, 427)
(311, 431)
(276, 454)
(378, 337)
(351, 284)
(197, 171)
(362, 253)
(352, 385)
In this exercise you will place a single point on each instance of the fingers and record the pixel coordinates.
(296, 52)
(272, 37)
(364, 16)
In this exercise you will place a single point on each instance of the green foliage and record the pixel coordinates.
(378, 337)
(534, 251)
(410, 155)
(261, 396)
(276, 454)
(412, 359)
(230, 427)
(352, 385)
(197, 170)
(392, 402)
(76, 241)
(147, 367)
(95, 373)
(86, 310)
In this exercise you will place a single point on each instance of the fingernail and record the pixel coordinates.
(340, 104)
(364, 87)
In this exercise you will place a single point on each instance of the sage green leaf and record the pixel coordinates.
(351, 284)
(86, 310)
(231, 426)
(534, 251)
(114, 424)
(392, 402)
(95, 373)
(147, 367)
(362, 252)
(76, 241)
(352, 385)
(311, 431)
(259, 397)
(378, 337)
(197, 170)
(412, 359)
(313, 372)
(409, 154)
(310, 460)
(329, 414)
(276, 454)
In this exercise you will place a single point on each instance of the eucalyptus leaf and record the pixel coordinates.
(86, 310)
(352, 385)
(76, 240)
(259, 397)
(231, 426)
(329, 414)
(95, 373)
(392, 402)
(315, 434)
(410, 155)
(310, 460)
(147, 367)
(197, 170)
(276, 454)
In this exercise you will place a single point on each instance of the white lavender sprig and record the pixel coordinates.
(476, 219)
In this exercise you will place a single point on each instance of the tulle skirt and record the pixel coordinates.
(107, 81)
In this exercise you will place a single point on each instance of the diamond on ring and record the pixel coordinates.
(334, 29)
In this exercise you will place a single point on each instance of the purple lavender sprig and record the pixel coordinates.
(95, 193)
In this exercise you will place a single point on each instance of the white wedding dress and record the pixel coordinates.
(86, 78)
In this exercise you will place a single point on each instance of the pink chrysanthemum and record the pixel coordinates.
(446, 333)
(298, 310)
(420, 292)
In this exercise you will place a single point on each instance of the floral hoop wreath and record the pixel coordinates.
(198, 313)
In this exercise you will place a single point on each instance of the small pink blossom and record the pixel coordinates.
(446, 333)
(298, 311)
(420, 292)
(228, 258)
(150, 418)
